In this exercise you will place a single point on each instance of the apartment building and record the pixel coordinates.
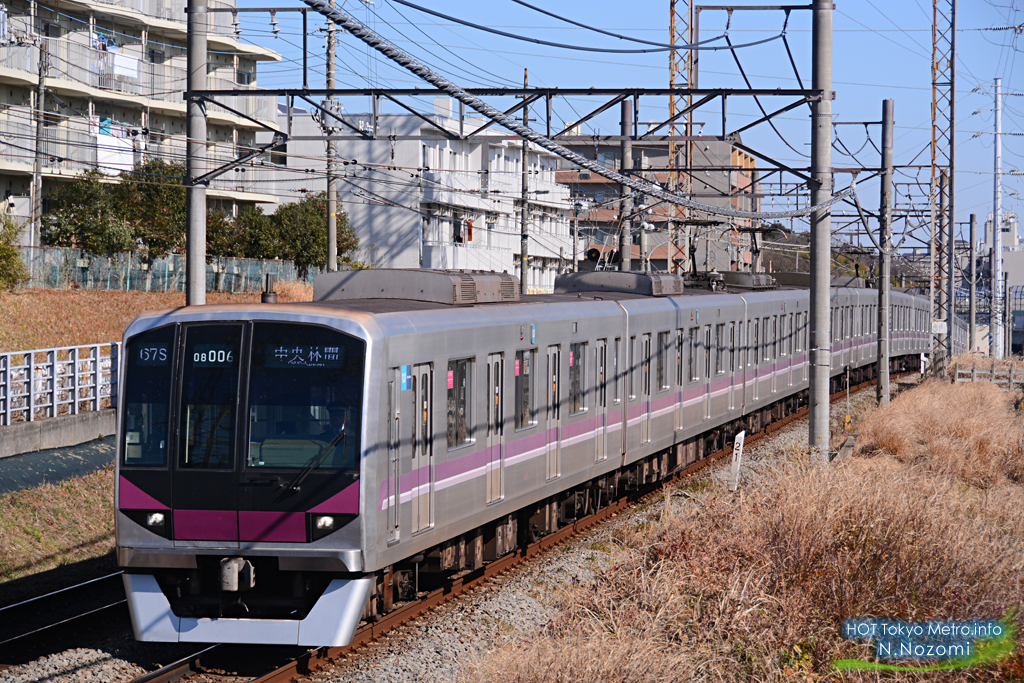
(438, 201)
(114, 73)
(722, 176)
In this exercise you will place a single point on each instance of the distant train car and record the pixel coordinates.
(285, 471)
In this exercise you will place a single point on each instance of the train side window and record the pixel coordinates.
(577, 378)
(680, 353)
(616, 375)
(732, 347)
(632, 368)
(784, 332)
(775, 337)
(662, 361)
(719, 348)
(707, 351)
(460, 425)
(694, 341)
(754, 349)
(738, 349)
(524, 389)
(425, 414)
(794, 319)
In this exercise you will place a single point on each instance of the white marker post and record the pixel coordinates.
(737, 456)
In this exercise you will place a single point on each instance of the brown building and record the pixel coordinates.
(722, 176)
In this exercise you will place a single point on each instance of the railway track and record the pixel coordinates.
(313, 660)
(42, 624)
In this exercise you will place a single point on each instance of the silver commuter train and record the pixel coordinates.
(285, 471)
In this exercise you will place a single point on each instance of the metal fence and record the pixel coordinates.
(61, 381)
(1007, 376)
(56, 267)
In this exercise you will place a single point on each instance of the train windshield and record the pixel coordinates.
(305, 398)
(147, 398)
(209, 396)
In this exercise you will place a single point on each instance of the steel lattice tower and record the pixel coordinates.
(943, 148)
(680, 71)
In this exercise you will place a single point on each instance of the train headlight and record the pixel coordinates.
(320, 525)
(158, 522)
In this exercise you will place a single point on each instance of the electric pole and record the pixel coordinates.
(996, 308)
(950, 279)
(36, 236)
(626, 206)
(941, 272)
(195, 160)
(524, 220)
(972, 306)
(885, 255)
(821, 231)
(332, 188)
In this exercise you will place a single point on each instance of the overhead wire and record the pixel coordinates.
(702, 45)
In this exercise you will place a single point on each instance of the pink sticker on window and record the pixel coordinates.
(517, 367)
(570, 359)
(451, 379)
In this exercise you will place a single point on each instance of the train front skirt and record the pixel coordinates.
(331, 622)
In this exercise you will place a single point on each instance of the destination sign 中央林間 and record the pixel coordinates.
(304, 356)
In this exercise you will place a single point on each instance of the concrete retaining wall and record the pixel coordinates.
(56, 432)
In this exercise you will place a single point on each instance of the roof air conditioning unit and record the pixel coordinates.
(584, 174)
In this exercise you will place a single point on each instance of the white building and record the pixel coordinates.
(115, 78)
(1011, 238)
(437, 202)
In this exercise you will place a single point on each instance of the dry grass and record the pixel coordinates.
(756, 587)
(42, 318)
(971, 431)
(55, 525)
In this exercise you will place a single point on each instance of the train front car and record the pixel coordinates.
(238, 484)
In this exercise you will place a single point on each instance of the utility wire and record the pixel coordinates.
(702, 45)
(393, 52)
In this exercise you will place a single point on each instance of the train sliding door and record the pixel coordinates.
(730, 367)
(706, 389)
(645, 389)
(410, 447)
(421, 446)
(553, 426)
(496, 424)
(601, 387)
(394, 455)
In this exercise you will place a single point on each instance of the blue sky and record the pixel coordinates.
(881, 50)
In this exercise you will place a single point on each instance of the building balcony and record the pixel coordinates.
(251, 178)
(79, 69)
(69, 152)
(169, 16)
(542, 192)
(65, 152)
(448, 256)
(454, 188)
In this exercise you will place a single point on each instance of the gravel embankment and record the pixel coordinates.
(436, 646)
